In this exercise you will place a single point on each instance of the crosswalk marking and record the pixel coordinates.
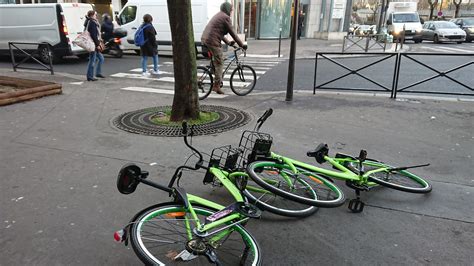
(164, 91)
(445, 49)
(165, 79)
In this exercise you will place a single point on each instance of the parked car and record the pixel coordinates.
(466, 24)
(53, 25)
(442, 31)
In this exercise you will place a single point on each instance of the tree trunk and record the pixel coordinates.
(457, 4)
(433, 5)
(185, 101)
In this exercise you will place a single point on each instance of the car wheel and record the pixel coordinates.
(436, 39)
(418, 40)
(43, 52)
(458, 42)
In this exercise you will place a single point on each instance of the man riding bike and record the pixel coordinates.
(213, 34)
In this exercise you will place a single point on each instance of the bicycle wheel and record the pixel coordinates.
(161, 232)
(400, 180)
(242, 80)
(204, 82)
(273, 203)
(275, 177)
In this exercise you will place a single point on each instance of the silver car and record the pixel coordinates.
(442, 31)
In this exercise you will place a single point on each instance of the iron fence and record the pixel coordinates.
(29, 54)
(402, 71)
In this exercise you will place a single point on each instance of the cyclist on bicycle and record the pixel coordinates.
(212, 36)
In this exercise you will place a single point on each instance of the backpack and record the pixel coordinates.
(139, 37)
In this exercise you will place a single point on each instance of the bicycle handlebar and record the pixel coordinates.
(198, 165)
(263, 118)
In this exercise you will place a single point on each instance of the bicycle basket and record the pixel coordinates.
(225, 158)
(254, 145)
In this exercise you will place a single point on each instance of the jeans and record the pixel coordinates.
(93, 56)
(145, 61)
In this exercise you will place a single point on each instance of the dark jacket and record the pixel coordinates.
(217, 28)
(150, 48)
(107, 29)
(93, 29)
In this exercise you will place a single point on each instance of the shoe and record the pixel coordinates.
(92, 79)
(100, 76)
(146, 74)
(155, 72)
(217, 90)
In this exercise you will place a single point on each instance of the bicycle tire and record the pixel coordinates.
(244, 82)
(400, 180)
(268, 201)
(171, 214)
(328, 194)
(204, 82)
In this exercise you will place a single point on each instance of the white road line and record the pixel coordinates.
(162, 91)
(159, 71)
(167, 79)
(456, 49)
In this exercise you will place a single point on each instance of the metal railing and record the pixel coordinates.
(13, 46)
(394, 86)
(364, 42)
(439, 74)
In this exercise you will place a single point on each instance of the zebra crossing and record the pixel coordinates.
(454, 49)
(165, 78)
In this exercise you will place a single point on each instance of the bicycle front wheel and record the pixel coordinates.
(243, 80)
(204, 82)
(161, 232)
(279, 179)
(400, 180)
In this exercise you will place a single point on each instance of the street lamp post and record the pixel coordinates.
(291, 64)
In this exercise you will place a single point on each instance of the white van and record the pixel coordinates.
(131, 17)
(55, 24)
(402, 15)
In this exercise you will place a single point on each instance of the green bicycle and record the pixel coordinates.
(359, 173)
(189, 228)
(233, 162)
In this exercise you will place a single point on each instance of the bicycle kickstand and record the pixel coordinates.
(356, 205)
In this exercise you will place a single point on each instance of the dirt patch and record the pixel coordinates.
(13, 90)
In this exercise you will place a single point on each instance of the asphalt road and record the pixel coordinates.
(273, 73)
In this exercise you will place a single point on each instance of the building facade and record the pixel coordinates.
(260, 19)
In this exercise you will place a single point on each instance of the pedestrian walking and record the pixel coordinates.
(93, 27)
(148, 47)
(212, 36)
(300, 23)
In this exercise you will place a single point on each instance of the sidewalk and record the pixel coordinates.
(60, 156)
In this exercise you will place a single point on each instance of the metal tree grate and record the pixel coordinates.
(140, 121)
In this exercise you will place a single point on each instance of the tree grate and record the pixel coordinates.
(140, 121)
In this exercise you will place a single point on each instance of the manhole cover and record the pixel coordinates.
(139, 122)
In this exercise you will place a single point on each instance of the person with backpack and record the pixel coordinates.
(145, 38)
(212, 36)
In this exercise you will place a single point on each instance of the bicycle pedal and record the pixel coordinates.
(356, 205)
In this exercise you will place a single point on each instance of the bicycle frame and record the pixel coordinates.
(343, 174)
(235, 59)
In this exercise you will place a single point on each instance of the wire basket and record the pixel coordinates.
(254, 145)
(225, 158)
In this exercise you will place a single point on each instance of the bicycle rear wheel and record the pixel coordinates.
(204, 82)
(400, 180)
(243, 80)
(273, 203)
(161, 232)
(275, 177)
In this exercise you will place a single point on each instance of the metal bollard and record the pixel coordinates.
(279, 44)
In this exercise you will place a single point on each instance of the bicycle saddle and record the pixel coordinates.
(319, 153)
